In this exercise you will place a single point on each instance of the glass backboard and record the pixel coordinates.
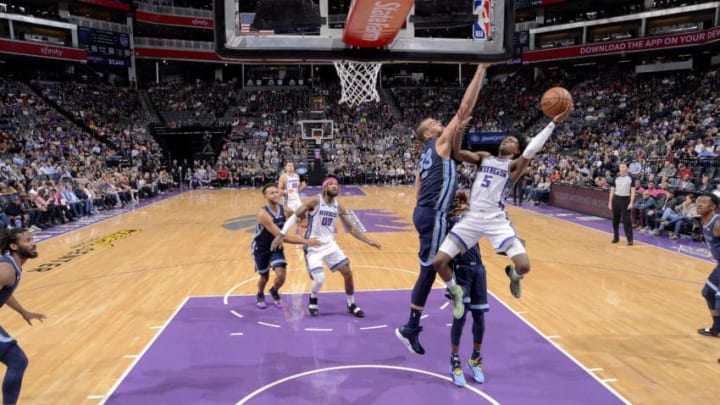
(437, 31)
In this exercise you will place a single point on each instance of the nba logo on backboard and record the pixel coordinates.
(481, 29)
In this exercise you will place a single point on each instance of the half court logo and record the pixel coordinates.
(246, 222)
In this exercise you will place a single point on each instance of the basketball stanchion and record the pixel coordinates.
(358, 80)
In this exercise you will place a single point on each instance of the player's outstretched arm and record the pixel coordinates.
(521, 163)
(308, 205)
(358, 234)
(463, 155)
(467, 104)
(267, 222)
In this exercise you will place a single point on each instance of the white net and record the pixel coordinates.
(359, 81)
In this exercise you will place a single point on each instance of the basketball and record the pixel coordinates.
(555, 101)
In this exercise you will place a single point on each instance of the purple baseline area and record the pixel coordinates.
(344, 191)
(684, 245)
(196, 359)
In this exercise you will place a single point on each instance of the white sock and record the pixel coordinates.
(318, 280)
(350, 299)
(451, 283)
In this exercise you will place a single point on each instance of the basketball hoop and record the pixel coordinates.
(318, 138)
(359, 81)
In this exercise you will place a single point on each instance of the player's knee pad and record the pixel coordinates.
(423, 285)
(478, 327)
(318, 279)
(712, 297)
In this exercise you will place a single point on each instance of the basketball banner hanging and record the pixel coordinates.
(375, 23)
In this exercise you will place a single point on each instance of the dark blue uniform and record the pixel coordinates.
(10, 352)
(6, 292)
(6, 341)
(471, 276)
(264, 257)
(438, 184)
(711, 290)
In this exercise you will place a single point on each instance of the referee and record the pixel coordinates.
(622, 196)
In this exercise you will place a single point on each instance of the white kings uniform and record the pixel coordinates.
(292, 186)
(321, 225)
(486, 216)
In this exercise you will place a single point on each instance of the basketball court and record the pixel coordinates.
(155, 304)
(262, 357)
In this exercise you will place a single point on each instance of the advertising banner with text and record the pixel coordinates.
(185, 21)
(587, 200)
(375, 23)
(625, 46)
(42, 50)
(485, 138)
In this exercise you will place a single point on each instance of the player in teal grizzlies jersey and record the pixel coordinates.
(322, 212)
(706, 207)
(16, 245)
(270, 219)
(435, 186)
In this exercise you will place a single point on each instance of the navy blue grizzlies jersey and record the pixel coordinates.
(263, 237)
(470, 274)
(7, 291)
(712, 242)
(438, 179)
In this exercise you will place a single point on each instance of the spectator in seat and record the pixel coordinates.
(677, 216)
(668, 170)
(706, 185)
(640, 216)
(82, 195)
(76, 206)
(686, 184)
(684, 171)
(540, 191)
(16, 213)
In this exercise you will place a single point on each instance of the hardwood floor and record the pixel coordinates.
(630, 311)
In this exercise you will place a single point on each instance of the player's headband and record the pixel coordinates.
(329, 180)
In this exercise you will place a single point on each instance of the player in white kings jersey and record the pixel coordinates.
(487, 216)
(290, 186)
(322, 212)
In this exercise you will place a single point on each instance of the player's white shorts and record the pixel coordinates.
(293, 204)
(329, 253)
(474, 225)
